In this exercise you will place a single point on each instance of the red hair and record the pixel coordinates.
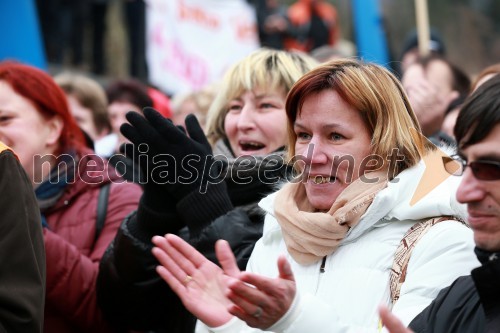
(47, 97)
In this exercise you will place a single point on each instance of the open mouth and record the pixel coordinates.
(251, 145)
(320, 179)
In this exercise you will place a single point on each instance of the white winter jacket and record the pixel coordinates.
(345, 298)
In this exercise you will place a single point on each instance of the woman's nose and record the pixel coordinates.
(316, 153)
(246, 119)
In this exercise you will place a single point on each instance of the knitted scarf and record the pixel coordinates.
(310, 235)
(251, 178)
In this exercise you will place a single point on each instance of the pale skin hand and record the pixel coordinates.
(214, 295)
(391, 322)
(273, 296)
(205, 295)
(428, 104)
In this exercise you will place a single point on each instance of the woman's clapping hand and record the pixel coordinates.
(200, 284)
(214, 294)
(261, 301)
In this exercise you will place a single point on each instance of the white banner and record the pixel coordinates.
(191, 43)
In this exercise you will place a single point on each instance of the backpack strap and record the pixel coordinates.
(102, 209)
(404, 250)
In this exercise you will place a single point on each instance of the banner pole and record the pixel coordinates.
(423, 30)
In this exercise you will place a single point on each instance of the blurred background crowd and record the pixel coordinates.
(107, 37)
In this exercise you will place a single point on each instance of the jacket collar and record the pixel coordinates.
(393, 202)
(486, 256)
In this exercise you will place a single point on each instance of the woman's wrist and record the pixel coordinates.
(288, 317)
(228, 327)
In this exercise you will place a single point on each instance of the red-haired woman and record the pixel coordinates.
(69, 181)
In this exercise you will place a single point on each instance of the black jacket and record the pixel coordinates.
(130, 292)
(22, 252)
(470, 304)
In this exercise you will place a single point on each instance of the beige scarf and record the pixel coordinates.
(309, 235)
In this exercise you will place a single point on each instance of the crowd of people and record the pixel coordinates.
(298, 194)
(67, 27)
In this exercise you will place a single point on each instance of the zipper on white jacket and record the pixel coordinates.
(322, 267)
(321, 271)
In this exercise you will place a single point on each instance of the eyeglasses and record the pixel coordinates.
(482, 170)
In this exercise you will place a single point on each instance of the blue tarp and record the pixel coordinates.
(369, 31)
(20, 35)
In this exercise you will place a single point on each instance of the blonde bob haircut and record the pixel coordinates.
(267, 69)
(377, 95)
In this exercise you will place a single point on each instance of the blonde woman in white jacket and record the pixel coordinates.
(331, 236)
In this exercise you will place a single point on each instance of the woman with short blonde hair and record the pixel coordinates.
(267, 69)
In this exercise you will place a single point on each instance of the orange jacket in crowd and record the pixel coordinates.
(299, 15)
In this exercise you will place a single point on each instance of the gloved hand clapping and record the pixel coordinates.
(173, 161)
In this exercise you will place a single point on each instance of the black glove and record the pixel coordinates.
(174, 162)
(157, 212)
(154, 197)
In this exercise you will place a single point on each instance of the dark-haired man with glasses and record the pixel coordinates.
(472, 303)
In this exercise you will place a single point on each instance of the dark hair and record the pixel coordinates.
(436, 43)
(479, 114)
(129, 91)
(461, 81)
(457, 102)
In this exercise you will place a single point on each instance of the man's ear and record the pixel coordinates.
(55, 126)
